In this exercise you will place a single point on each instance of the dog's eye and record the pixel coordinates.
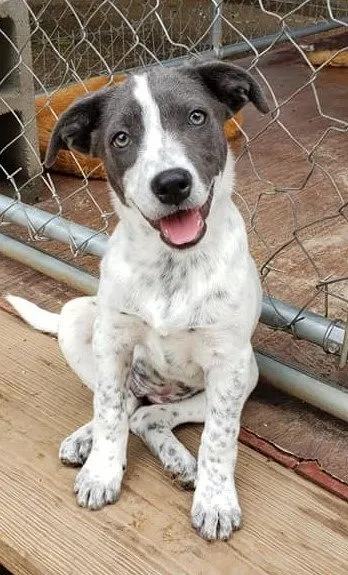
(121, 140)
(197, 117)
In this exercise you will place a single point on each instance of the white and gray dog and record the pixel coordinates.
(167, 338)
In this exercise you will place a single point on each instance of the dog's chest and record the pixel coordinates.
(173, 310)
(164, 368)
(171, 297)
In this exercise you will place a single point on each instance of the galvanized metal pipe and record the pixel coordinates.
(55, 227)
(277, 38)
(48, 265)
(344, 351)
(216, 31)
(303, 324)
(304, 386)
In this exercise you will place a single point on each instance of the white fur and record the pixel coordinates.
(34, 315)
(159, 151)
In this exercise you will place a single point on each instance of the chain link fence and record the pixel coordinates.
(292, 167)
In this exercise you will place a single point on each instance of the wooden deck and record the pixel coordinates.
(290, 525)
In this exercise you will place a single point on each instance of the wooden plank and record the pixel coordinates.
(290, 525)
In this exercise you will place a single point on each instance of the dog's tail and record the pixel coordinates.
(34, 315)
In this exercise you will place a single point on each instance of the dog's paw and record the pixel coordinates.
(96, 486)
(180, 464)
(216, 517)
(75, 449)
(185, 473)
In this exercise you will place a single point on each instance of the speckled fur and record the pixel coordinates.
(170, 325)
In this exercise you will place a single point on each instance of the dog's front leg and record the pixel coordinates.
(99, 481)
(215, 511)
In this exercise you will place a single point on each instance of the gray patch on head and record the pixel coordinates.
(177, 93)
(122, 114)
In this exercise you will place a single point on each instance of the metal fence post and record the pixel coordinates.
(216, 30)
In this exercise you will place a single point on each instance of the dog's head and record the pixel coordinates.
(160, 136)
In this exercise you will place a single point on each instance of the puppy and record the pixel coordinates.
(179, 294)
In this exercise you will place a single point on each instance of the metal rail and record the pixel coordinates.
(271, 39)
(48, 265)
(304, 386)
(53, 226)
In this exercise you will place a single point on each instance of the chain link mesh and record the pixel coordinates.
(295, 200)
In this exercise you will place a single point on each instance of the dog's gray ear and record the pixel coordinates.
(232, 85)
(77, 128)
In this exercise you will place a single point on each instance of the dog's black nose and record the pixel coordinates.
(172, 186)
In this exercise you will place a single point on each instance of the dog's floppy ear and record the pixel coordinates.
(232, 85)
(77, 128)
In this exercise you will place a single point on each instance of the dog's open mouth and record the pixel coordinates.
(184, 228)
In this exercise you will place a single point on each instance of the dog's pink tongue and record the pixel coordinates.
(182, 227)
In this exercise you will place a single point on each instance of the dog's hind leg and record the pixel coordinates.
(75, 337)
(75, 340)
(154, 424)
(75, 448)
